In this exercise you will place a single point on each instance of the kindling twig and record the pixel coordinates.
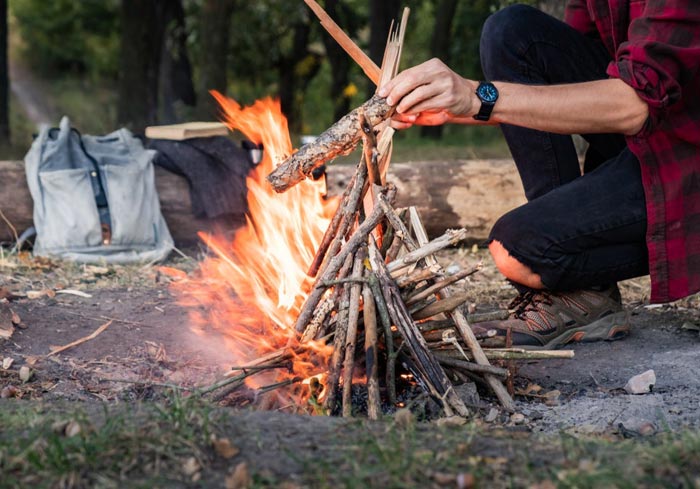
(351, 337)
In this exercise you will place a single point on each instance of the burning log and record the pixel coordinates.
(339, 140)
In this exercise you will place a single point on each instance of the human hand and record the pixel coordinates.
(428, 94)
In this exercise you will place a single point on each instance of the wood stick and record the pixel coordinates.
(513, 354)
(340, 139)
(450, 238)
(332, 229)
(368, 66)
(465, 330)
(320, 314)
(91, 336)
(385, 319)
(369, 150)
(416, 276)
(371, 354)
(341, 329)
(442, 306)
(359, 237)
(430, 371)
(471, 367)
(348, 214)
(351, 336)
(438, 286)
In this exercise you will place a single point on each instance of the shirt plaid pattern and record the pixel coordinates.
(655, 45)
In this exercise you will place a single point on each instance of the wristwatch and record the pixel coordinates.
(488, 94)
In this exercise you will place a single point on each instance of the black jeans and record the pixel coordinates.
(576, 231)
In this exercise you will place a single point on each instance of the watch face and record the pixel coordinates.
(487, 92)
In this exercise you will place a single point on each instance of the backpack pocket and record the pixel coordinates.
(133, 204)
(70, 213)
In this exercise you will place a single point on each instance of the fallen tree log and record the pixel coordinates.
(338, 140)
(449, 194)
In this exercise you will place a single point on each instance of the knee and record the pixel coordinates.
(514, 244)
(502, 32)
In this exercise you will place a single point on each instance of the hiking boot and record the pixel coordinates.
(546, 320)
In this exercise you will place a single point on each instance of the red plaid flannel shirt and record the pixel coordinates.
(655, 46)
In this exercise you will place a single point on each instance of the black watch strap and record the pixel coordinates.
(484, 113)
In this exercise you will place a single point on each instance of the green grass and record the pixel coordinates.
(147, 445)
(144, 445)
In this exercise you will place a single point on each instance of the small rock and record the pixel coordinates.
(492, 415)
(451, 421)
(688, 326)
(7, 362)
(190, 466)
(468, 393)
(25, 373)
(517, 418)
(642, 383)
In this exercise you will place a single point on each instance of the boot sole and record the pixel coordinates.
(609, 328)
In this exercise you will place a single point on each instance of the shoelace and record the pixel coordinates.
(528, 301)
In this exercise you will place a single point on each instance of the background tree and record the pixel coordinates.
(381, 14)
(176, 83)
(142, 31)
(339, 61)
(440, 47)
(214, 52)
(4, 79)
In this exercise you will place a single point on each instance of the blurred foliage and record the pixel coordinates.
(69, 36)
(68, 40)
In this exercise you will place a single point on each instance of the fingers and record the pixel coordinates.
(408, 80)
(426, 96)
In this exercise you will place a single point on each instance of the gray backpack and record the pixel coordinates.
(95, 198)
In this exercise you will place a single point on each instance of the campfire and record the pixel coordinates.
(316, 295)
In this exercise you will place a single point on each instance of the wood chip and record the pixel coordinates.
(7, 362)
(78, 293)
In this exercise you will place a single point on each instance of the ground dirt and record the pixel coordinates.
(149, 343)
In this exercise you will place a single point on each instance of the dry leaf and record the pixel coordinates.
(9, 391)
(31, 360)
(96, 271)
(38, 294)
(6, 294)
(444, 479)
(7, 362)
(404, 418)
(172, 273)
(224, 448)
(465, 481)
(25, 373)
(190, 467)
(239, 478)
(156, 351)
(6, 331)
(544, 485)
(6, 326)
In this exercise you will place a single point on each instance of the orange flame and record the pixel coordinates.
(252, 289)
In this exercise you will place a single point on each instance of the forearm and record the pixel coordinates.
(603, 106)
